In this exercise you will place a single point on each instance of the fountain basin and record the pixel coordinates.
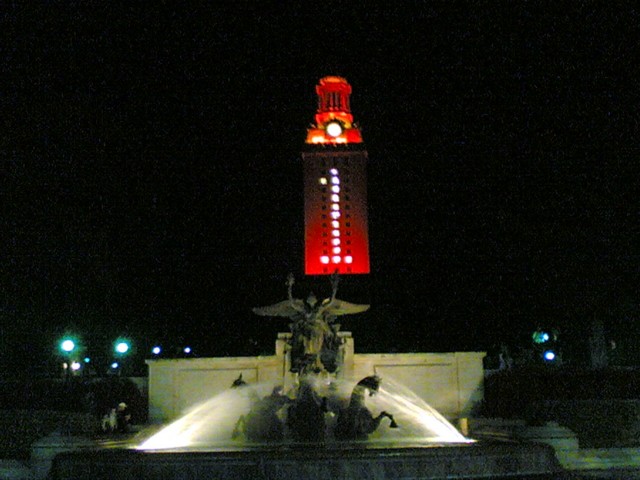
(353, 461)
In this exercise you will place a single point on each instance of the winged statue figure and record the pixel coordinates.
(315, 343)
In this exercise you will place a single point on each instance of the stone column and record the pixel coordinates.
(346, 370)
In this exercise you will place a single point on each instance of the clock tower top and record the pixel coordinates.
(334, 121)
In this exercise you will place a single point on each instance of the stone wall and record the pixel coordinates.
(177, 384)
(450, 382)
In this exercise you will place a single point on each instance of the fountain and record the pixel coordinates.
(318, 417)
(322, 408)
(325, 426)
(218, 423)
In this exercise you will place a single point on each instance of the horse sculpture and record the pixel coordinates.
(263, 423)
(305, 416)
(356, 421)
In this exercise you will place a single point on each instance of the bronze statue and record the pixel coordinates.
(356, 421)
(305, 416)
(315, 343)
(262, 423)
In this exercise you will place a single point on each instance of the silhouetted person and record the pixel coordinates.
(123, 418)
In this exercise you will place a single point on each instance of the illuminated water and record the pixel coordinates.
(211, 423)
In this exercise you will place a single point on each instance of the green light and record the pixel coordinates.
(540, 337)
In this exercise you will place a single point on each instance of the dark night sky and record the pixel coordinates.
(151, 180)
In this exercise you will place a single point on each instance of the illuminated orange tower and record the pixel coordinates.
(335, 186)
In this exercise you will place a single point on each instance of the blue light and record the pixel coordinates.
(187, 350)
(114, 365)
(156, 350)
(549, 355)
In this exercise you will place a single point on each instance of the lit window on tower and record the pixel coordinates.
(335, 225)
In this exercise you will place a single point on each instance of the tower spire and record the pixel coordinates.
(333, 119)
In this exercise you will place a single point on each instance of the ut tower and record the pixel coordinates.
(335, 186)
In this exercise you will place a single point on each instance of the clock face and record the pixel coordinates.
(334, 129)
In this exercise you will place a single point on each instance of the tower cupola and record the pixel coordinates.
(333, 119)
